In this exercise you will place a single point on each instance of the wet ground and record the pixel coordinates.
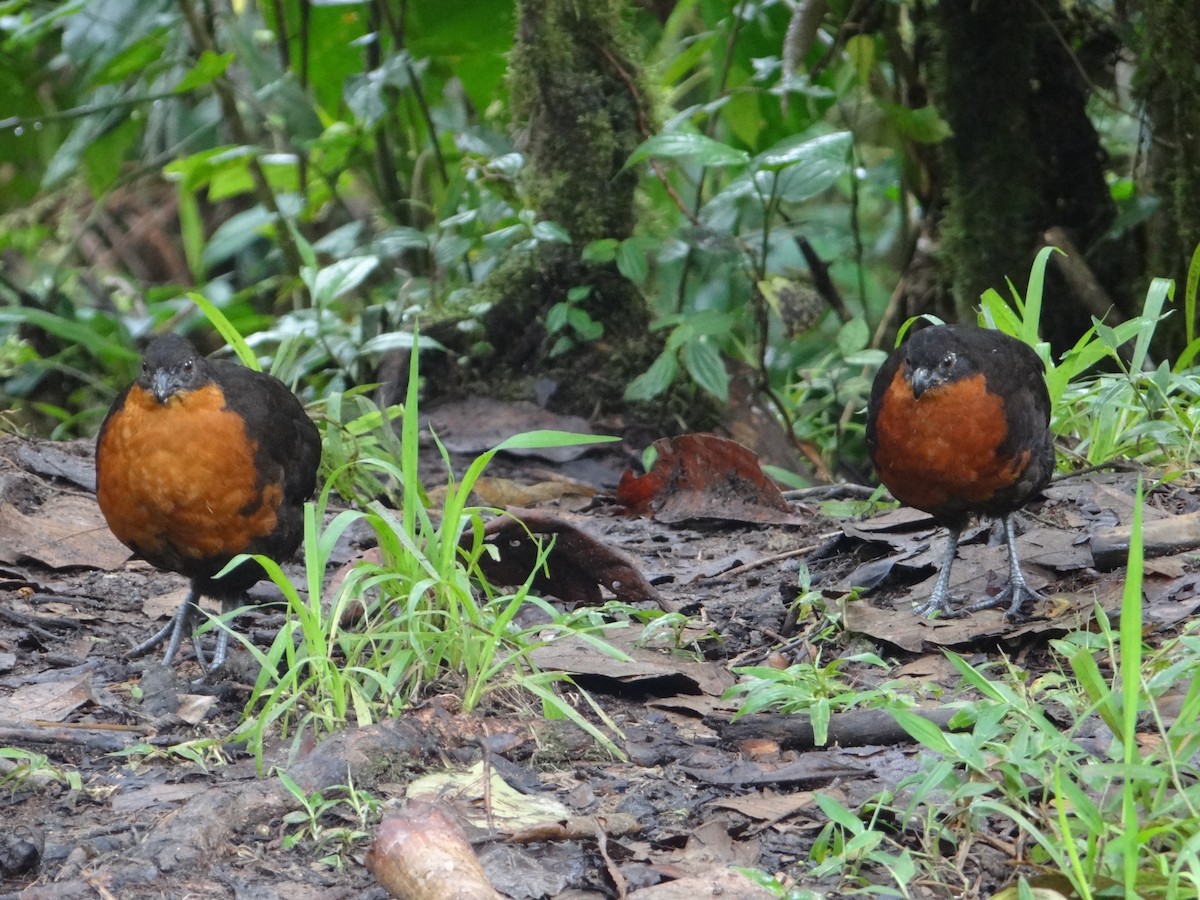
(114, 811)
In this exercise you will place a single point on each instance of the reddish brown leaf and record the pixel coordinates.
(702, 476)
(576, 568)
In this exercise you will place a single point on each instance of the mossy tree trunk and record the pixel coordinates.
(1024, 156)
(1169, 84)
(576, 88)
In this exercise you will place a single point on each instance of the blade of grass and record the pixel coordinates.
(1131, 683)
(227, 330)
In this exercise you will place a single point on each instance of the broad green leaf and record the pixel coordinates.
(136, 59)
(104, 157)
(632, 261)
(583, 324)
(400, 340)
(825, 161)
(371, 95)
(853, 336)
(703, 362)
(208, 68)
(556, 317)
(743, 111)
(551, 231)
(339, 278)
(922, 731)
(73, 330)
(803, 147)
(191, 229)
(685, 145)
(924, 125)
(89, 129)
(654, 380)
(601, 251)
(235, 234)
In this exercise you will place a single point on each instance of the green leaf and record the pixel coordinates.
(89, 129)
(105, 156)
(698, 148)
(208, 68)
(632, 261)
(838, 813)
(861, 50)
(138, 58)
(539, 440)
(801, 148)
(923, 126)
(340, 278)
(853, 336)
(654, 380)
(923, 731)
(191, 228)
(369, 96)
(556, 317)
(824, 161)
(703, 362)
(601, 251)
(743, 111)
(583, 324)
(551, 231)
(235, 234)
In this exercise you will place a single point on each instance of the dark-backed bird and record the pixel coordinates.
(958, 425)
(198, 461)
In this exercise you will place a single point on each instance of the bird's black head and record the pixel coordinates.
(936, 357)
(171, 366)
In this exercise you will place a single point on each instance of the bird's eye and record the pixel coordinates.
(145, 368)
(947, 362)
(187, 367)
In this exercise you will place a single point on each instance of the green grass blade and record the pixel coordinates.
(232, 336)
(1131, 683)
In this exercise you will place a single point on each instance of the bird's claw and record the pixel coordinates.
(941, 608)
(1014, 596)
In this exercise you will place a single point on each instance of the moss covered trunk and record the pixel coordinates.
(1024, 156)
(1169, 83)
(576, 87)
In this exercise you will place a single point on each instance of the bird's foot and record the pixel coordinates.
(172, 632)
(184, 622)
(1014, 595)
(942, 607)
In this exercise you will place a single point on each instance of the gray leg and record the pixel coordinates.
(181, 622)
(939, 601)
(1017, 591)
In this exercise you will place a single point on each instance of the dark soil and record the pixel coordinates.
(698, 793)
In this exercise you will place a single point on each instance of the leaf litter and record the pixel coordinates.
(702, 790)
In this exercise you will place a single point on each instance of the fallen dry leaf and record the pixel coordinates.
(421, 854)
(488, 804)
(702, 476)
(47, 701)
(477, 424)
(577, 565)
(67, 531)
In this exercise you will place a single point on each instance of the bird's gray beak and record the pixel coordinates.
(922, 379)
(164, 385)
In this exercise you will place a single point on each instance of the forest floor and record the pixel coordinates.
(699, 793)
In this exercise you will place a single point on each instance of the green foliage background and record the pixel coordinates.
(326, 172)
